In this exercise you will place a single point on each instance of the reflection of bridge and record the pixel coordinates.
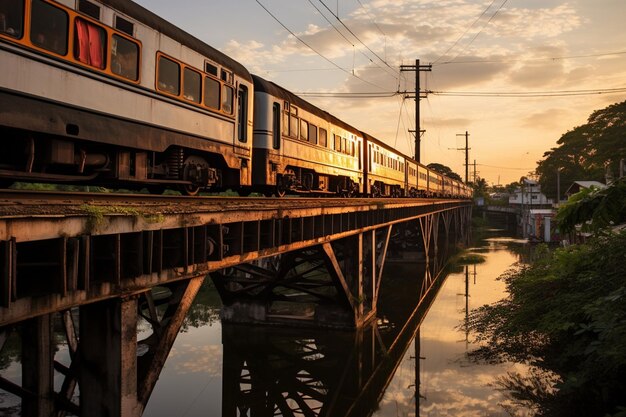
(315, 262)
(312, 372)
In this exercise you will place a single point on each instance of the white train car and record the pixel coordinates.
(384, 173)
(299, 148)
(107, 91)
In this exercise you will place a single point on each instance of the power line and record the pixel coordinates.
(491, 94)
(501, 167)
(323, 94)
(480, 31)
(464, 33)
(520, 94)
(356, 37)
(373, 20)
(343, 36)
(556, 58)
(313, 49)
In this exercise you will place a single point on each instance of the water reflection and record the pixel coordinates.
(449, 384)
(408, 362)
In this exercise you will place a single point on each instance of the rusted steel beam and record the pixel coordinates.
(9, 264)
(335, 269)
(38, 366)
(104, 259)
(153, 362)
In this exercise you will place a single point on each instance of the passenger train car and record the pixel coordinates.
(106, 92)
(298, 147)
(109, 92)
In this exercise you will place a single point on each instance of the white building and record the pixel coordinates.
(529, 195)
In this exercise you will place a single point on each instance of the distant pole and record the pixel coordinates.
(466, 149)
(474, 171)
(418, 95)
(418, 127)
(558, 185)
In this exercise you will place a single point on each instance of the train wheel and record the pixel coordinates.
(280, 191)
(189, 189)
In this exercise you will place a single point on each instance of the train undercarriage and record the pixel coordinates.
(35, 157)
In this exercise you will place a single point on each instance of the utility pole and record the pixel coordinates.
(418, 95)
(474, 171)
(466, 149)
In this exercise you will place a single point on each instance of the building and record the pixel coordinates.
(582, 185)
(529, 196)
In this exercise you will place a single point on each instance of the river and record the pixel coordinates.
(227, 370)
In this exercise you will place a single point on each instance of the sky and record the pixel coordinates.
(345, 55)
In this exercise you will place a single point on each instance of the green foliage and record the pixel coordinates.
(594, 209)
(445, 170)
(584, 152)
(566, 315)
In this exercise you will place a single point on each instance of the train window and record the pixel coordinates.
(304, 130)
(337, 143)
(323, 137)
(352, 148)
(124, 25)
(227, 76)
(344, 147)
(242, 119)
(293, 126)
(89, 9)
(124, 57)
(192, 85)
(49, 27)
(276, 125)
(168, 76)
(210, 68)
(12, 18)
(313, 134)
(227, 99)
(285, 128)
(89, 43)
(211, 93)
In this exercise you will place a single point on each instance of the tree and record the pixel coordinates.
(585, 152)
(442, 169)
(594, 209)
(565, 316)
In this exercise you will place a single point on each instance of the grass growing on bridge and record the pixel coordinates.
(96, 214)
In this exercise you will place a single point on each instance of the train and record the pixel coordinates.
(108, 93)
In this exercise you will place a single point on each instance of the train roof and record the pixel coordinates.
(263, 85)
(150, 19)
(382, 144)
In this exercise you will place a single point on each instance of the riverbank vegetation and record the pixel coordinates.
(565, 316)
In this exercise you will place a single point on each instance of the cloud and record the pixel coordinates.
(547, 119)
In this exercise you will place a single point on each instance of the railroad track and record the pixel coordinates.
(27, 202)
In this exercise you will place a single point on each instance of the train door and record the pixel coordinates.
(276, 128)
(242, 115)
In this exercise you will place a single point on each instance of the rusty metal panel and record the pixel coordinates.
(200, 245)
(233, 238)
(85, 263)
(7, 251)
(308, 228)
(72, 266)
(174, 243)
(318, 226)
(296, 230)
(148, 252)
(132, 255)
(267, 234)
(215, 235)
(62, 274)
(251, 236)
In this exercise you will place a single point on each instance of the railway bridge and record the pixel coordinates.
(96, 264)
